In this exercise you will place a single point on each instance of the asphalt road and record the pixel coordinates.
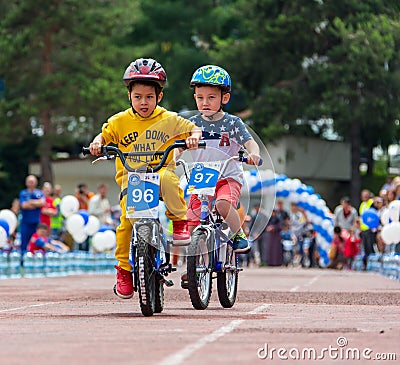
(282, 316)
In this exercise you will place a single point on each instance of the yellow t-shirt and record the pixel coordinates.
(133, 133)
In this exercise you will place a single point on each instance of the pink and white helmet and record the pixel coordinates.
(145, 69)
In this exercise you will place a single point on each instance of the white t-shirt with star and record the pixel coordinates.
(224, 138)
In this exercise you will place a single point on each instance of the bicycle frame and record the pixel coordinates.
(148, 254)
(214, 227)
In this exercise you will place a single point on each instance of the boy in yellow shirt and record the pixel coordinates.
(145, 126)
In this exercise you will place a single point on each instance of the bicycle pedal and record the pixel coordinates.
(167, 282)
(184, 284)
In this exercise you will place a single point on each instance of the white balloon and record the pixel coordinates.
(304, 197)
(391, 233)
(92, 225)
(295, 184)
(79, 237)
(69, 205)
(385, 217)
(327, 224)
(110, 239)
(10, 218)
(99, 242)
(293, 197)
(3, 236)
(394, 209)
(320, 204)
(75, 224)
(312, 200)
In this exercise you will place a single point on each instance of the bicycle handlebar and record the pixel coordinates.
(110, 152)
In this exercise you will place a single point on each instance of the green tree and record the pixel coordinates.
(59, 66)
(179, 34)
(307, 61)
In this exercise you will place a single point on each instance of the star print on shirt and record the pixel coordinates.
(212, 132)
(222, 128)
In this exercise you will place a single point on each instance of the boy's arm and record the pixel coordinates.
(95, 146)
(253, 152)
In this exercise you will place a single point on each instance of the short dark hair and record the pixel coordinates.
(345, 199)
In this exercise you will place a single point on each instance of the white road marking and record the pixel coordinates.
(182, 355)
(312, 281)
(26, 307)
(307, 284)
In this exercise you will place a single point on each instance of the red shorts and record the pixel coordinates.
(226, 189)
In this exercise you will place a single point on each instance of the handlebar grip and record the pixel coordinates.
(85, 151)
(245, 159)
(182, 144)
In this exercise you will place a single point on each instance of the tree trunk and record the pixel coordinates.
(355, 140)
(45, 146)
(370, 160)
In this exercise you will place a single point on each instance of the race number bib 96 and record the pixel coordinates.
(203, 178)
(143, 195)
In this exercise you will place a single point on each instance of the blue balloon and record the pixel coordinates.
(370, 218)
(84, 214)
(5, 225)
(105, 227)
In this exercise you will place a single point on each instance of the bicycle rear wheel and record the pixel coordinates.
(199, 270)
(145, 271)
(227, 280)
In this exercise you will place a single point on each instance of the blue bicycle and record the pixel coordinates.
(149, 249)
(210, 253)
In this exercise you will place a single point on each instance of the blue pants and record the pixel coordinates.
(27, 230)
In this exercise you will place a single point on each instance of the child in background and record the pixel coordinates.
(351, 248)
(41, 241)
(336, 252)
(145, 126)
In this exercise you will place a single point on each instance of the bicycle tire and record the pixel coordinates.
(227, 280)
(145, 270)
(199, 270)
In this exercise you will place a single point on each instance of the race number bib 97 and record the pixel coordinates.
(203, 178)
(143, 195)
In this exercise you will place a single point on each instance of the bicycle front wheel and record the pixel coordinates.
(227, 280)
(145, 271)
(199, 270)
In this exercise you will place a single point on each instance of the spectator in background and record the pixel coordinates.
(351, 248)
(345, 214)
(100, 207)
(366, 203)
(388, 185)
(281, 213)
(336, 252)
(258, 234)
(41, 242)
(48, 210)
(391, 196)
(298, 221)
(83, 195)
(57, 221)
(274, 251)
(31, 201)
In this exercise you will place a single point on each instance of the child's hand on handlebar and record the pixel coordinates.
(253, 159)
(192, 142)
(95, 146)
